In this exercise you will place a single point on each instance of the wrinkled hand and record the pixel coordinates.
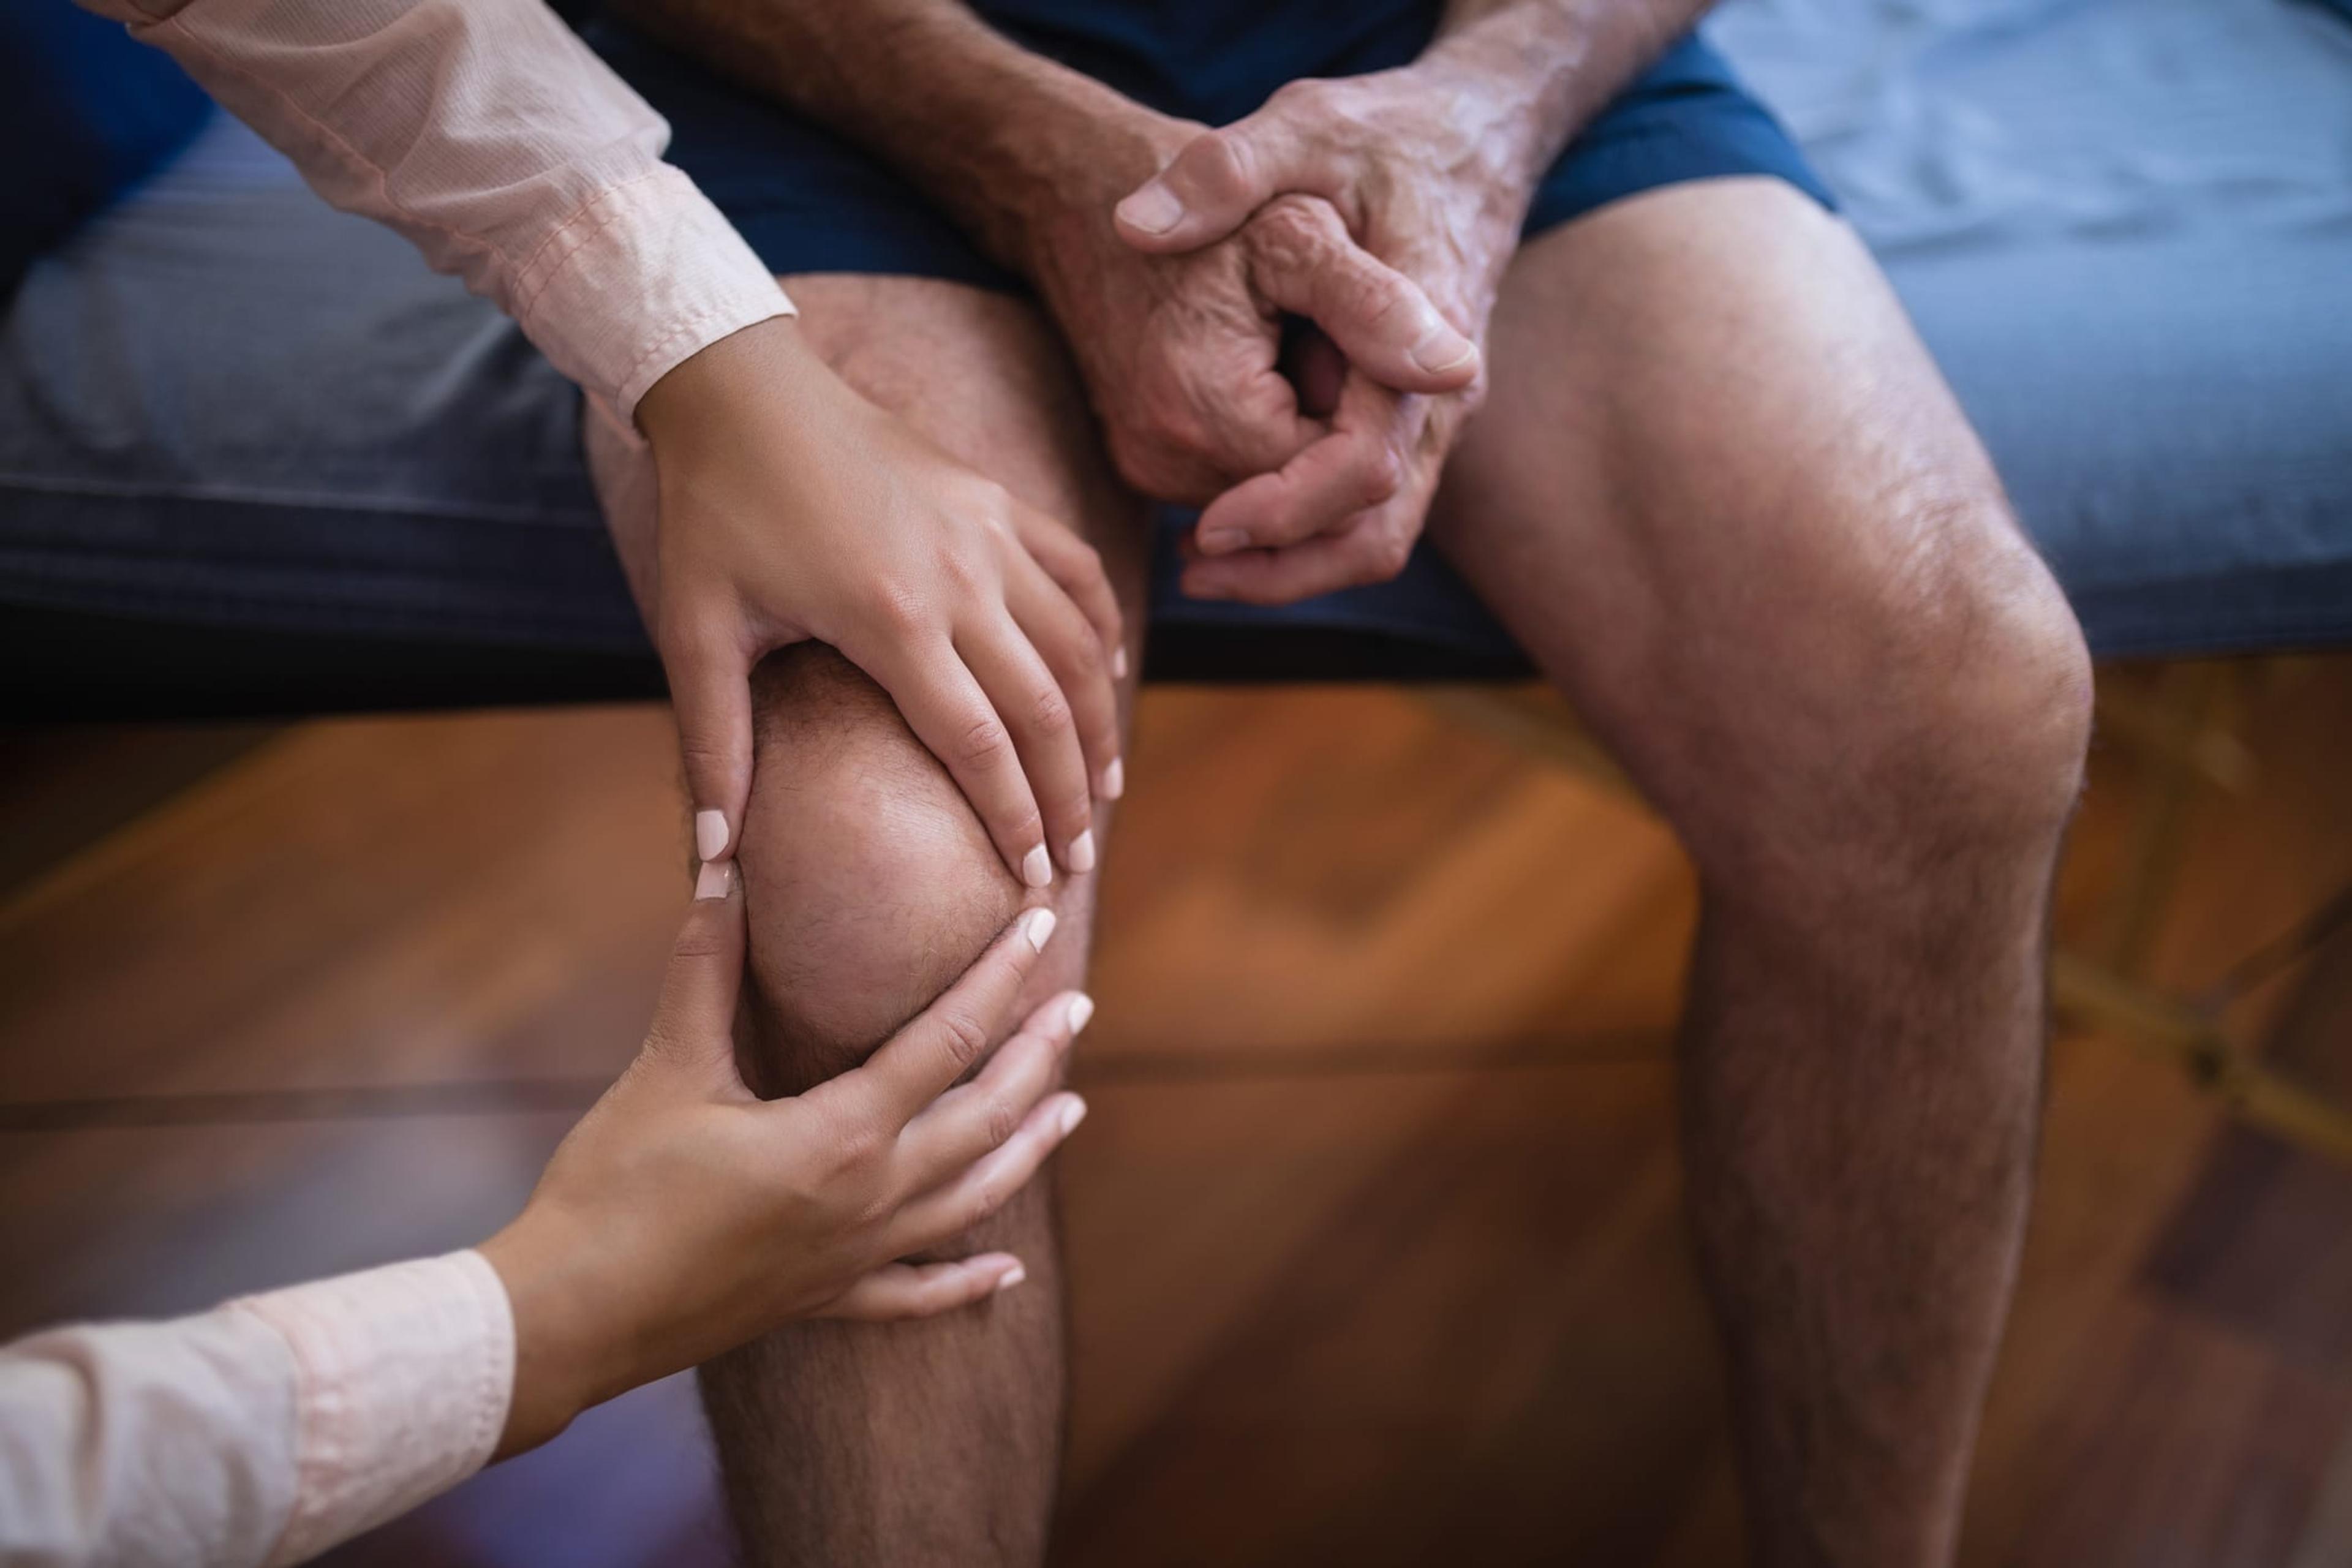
(1423, 169)
(1183, 355)
(683, 1216)
(791, 508)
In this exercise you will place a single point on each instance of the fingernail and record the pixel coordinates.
(1441, 349)
(1038, 925)
(1216, 542)
(1012, 1276)
(1119, 663)
(1082, 1007)
(1081, 858)
(1072, 1114)
(1114, 779)
(712, 882)
(1154, 209)
(1037, 868)
(709, 835)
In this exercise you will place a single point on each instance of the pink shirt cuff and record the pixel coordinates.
(644, 276)
(402, 1377)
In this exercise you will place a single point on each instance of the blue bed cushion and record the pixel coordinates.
(2125, 226)
(86, 113)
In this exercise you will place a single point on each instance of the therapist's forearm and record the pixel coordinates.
(406, 111)
(264, 1431)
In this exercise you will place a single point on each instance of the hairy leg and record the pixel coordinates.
(870, 885)
(1721, 495)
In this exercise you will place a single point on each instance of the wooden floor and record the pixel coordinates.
(1374, 1230)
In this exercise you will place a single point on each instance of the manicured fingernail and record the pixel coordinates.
(1072, 1114)
(709, 835)
(1038, 867)
(1012, 1277)
(1114, 779)
(1154, 209)
(1216, 542)
(1441, 349)
(1082, 1007)
(1038, 925)
(1119, 663)
(712, 882)
(1081, 858)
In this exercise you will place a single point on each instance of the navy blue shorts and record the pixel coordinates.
(811, 202)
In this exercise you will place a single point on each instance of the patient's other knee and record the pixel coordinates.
(869, 882)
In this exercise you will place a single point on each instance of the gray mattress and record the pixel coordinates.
(2124, 225)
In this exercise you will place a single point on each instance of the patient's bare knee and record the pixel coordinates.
(870, 882)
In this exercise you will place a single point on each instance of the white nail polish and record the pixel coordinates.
(713, 882)
(1081, 858)
(1038, 925)
(1082, 1007)
(1072, 1114)
(1012, 1276)
(1038, 867)
(1114, 779)
(709, 835)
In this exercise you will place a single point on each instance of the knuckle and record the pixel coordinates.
(1087, 561)
(699, 944)
(1293, 228)
(1004, 1119)
(1086, 655)
(965, 1036)
(984, 742)
(988, 1195)
(703, 753)
(1048, 709)
(969, 567)
(1383, 473)
(900, 609)
(1221, 165)
(1388, 559)
(856, 1148)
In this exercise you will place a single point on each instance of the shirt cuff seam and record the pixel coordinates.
(528, 292)
(306, 1415)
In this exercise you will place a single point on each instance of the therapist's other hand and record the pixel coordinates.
(683, 1215)
(791, 508)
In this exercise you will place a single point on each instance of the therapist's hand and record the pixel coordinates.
(684, 1216)
(791, 508)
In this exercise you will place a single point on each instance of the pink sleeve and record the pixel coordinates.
(490, 136)
(263, 1431)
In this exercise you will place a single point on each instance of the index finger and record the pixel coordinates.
(1358, 465)
(923, 1060)
(1382, 320)
(950, 711)
(1372, 549)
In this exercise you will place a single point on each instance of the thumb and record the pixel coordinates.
(1376, 316)
(694, 1022)
(1210, 187)
(710, 692)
